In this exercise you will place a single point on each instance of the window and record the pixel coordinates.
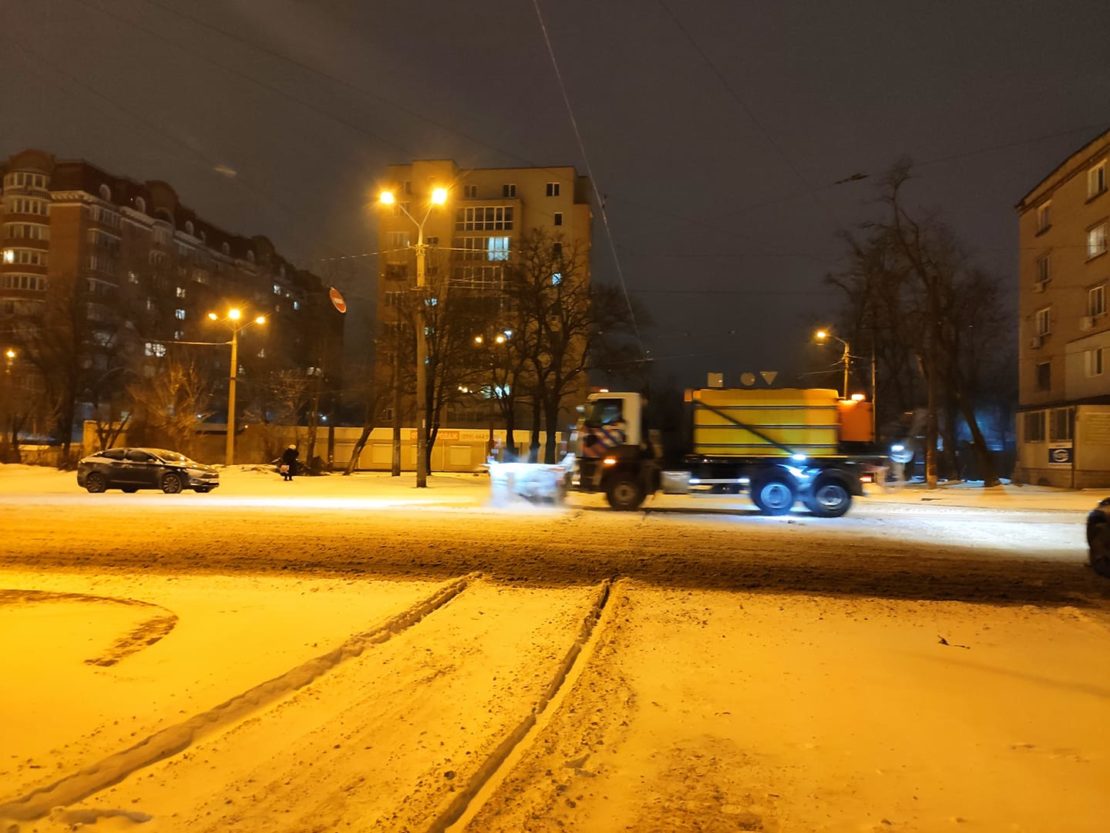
(27, 205)
(1096, 300)
(296, 306)
(1044, 321)
(558, 218)
(398, 240)
(1044, 376)
(1092, 362)
(1044, 268)
(1096, 180)
(180, 292)
(553, 189)
(158, 258)
(498, 248)
(557, 249)
(1044, 216)
(189, 227)
(140, 205)
(484, 218)
(1059, 424)
(407, 187)
(179, 314)
(31, 283)
(432, 241)
(470, 192)
(105, 193)
(556, 278)
(22, 179)
(508, 190)
(25, 257)
(1096, 241)
(26, 231)
(179, 334)
(154, 348)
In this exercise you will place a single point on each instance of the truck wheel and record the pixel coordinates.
(774, 493)
(624, 492)
(829, 498)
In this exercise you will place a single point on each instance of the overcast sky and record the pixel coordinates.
(716, 129)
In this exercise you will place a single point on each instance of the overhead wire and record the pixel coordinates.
(593, 180)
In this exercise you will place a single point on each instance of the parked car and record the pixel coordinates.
(1098, 537)
(131, 469)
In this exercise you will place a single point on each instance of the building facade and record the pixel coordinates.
(1064, 350)
(474, 239)
(137, 273)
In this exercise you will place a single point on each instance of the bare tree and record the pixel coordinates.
(169, 405)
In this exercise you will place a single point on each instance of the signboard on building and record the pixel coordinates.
(1059, 455)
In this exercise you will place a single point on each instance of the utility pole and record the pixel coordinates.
(229, 450)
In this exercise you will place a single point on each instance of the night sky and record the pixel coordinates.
(715, 130)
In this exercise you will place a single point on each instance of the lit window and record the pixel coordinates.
(179, 314)
(180, 292)
(1044, 321)
(296, 305)
(1096, 241)
(1092, 362)
(1096, 300)
(179, 334)
(154, 348)
(553, 189)
(1044, 268)
(556, 278)
(277, 289)
(1096, 180)
(1044, 216)
(497, 248)
(262, 353)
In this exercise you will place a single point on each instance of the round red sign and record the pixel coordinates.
(337, 299)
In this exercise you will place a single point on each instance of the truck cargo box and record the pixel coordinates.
(779, 422)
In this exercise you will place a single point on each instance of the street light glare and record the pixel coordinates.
(821, 335)
(234, 314)
(260, 319)
(213, 317)
(10, 353)
(439, 196)
(386, 198)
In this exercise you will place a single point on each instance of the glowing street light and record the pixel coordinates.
(821, 336)
(438, 197)
(232, 317)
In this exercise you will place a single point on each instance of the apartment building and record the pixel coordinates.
(1064, 352)
(142, 271)
(473, 239)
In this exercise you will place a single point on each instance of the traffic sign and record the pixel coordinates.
(337, 300)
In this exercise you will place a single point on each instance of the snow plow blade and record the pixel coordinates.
(535, 483)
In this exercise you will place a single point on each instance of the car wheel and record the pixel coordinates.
(828, 499)
(129, 489)
(96, 482)
(624, 493)
(171, 483)
(1098, 542)
(774, 494)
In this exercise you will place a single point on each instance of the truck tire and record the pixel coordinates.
(829, 497)
(624, 492)
(774, 493)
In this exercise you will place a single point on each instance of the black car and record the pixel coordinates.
(131, 469)
(1098, 537)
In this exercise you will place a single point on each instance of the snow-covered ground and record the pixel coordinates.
(356, 654)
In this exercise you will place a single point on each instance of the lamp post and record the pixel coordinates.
(232, 318)
(438, 197)
(821, 336)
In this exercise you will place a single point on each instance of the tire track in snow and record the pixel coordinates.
(174, 739)
(148, 632)
(486, 779)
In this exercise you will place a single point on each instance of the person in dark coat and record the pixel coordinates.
(289, 462)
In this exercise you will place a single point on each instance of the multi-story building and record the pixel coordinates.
(474, 240)
(1064, 352)
(136, 273)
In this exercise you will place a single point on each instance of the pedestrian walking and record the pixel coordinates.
(288, 463)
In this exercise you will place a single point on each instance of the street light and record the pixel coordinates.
(821, 336)
(232, 317)
(438, 197)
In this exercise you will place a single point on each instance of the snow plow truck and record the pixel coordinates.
(780, 444)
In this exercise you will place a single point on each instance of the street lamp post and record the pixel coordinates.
(233, 316)
(438, 197)
(824, 335)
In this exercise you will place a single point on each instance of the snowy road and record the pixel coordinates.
(357, 655)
